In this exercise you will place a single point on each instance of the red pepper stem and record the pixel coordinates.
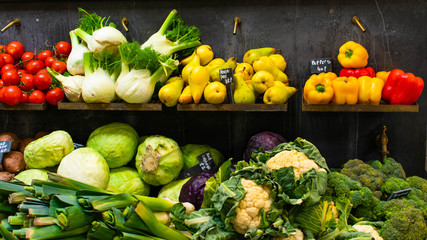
(320, 88)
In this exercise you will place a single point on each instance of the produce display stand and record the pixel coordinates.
(27, 106)
(110, 106)
(358, 108)
(234, 107)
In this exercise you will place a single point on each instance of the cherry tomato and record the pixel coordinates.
(33, 66)
(24, 98)
(7, 58)
(48, 61)
(21, 72)
(42, 80)
(7, 67)
(12, 95)
(1, 93)
(2, 62)
(27, 56)
(59, 66)
(36, 97)
(63, 49)
(42, 71)
(10, 77)
(27, 82)
(54, 96)
(16, 49)
(45, 54)
(2, 48)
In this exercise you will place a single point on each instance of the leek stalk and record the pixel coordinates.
(17, 197)
(15, 220)
(156, 227)
(73, 217)
(100, 231)
(114, 219)
(6, 234)
(53, 232)
(132, 236)
(43, 221)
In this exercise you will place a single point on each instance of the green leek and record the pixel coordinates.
(6, 234)
(114, 218)
(132, 236)
(44, 221)
(73, 217)
(100, 231)
(156, 227)
(53, 232)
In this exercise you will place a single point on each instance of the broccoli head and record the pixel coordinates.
(342, 187)
(418, 183)
(393, 184)
(390, 168)
(362, 172)
(413, 198)
(408, 224)
(396, 205)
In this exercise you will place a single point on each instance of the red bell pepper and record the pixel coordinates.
(358, 72)
(402, 88)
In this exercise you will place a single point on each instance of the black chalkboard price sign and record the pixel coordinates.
(226, 76)
(319, 65)
(206, 163)
(4, 148)
(400, 193)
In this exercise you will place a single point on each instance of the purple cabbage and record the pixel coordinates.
(268, 140)
(194, 189)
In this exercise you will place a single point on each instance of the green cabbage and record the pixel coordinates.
(86, 165)
(27, 176)
(191, 151)
(158, 160)
(127, 180)
(116, 142)
(49, 150)
(172, 190)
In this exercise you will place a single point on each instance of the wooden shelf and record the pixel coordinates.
(24, 107)
(359, 108)
(234, 107)
(110, 106)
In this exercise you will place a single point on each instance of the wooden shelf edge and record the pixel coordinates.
(234, 107)
(110, 106)
(24, 107)
(359, 108)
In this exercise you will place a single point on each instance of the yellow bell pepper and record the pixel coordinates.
(318, 88)
(370, 90)
(353, 55)
(346, 90)
(382, 75)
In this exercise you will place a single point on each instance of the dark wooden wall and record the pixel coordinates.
(395, 38)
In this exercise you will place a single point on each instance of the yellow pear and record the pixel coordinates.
(261, 81)
(189, 67)
(205, 53)
(214, 73)
(185, 96)
(170, 92)
(251, 55)
(199, 78)
(243, 94)
(279, 93)
(266, 64)
(245, 70)
(173, 79)
(215, 93)
(214, 63)
(279, 61)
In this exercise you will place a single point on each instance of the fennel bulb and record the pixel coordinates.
(72, 85)
(173, 36)
(137, 85)
(75, 64)
(104, 39)
(98, 85)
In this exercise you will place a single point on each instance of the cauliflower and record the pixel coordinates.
(368, 229)
(249, 208)
(297, 236)
(293, 158)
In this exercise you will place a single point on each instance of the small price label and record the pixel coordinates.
(399, 194)
(206, 163)
(319, 65)
(78, 145)
(226, 76)
(5, 147)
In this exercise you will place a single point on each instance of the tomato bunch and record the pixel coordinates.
(23, 75)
